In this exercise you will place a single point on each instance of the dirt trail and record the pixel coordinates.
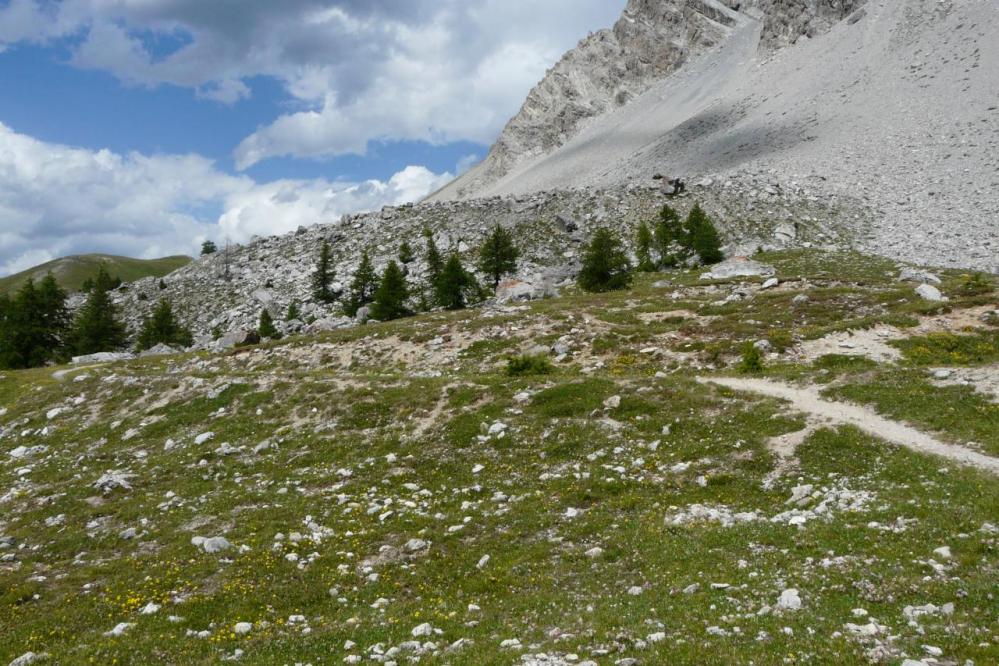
(808, 400)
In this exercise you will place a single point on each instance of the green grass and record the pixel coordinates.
(951, 349)
(71, 272)
(368, 454)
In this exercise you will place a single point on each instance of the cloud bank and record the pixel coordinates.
(57, 200)
(354, 71)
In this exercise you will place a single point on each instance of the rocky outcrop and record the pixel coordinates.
(786, 21)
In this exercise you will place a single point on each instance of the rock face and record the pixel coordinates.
(788, 20)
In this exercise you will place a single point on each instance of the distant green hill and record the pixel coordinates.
(71, 271)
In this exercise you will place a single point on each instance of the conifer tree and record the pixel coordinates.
(669, 237)
(266, 327)
(33, 325)
(406, 254)
(208, 247)
(498, 255)
(391, 296)
(704, 238)
(456, 287)
(643, 248)
(96, 327)
(605, 265)
(323, 275)
(292, 312)
(362, 289)
(435, 263)
(162, 328)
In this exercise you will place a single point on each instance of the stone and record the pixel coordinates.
(612, 402)
(102, 357)
(242, 628)
(785, 232)
(120, 629)
(29, 658)
(929, 293)
(770, 283)
(738, 267)
(422, 630)
(113, 480)
(789, 600)
(917, 275)
(415, 546)
(211, 545)
(943, 552)
(568, 224)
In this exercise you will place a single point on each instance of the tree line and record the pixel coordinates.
(36, 327)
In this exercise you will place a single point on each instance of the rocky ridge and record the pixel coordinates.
(754, 211)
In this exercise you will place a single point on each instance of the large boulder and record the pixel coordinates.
(102, 357)
(739, 267)
(930, 293)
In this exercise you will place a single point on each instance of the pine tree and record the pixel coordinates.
(498, 255)
(390, 299)
(406, 254)
(266, 327)
(323, 276)
(643, 248)
(96, 327)
(704, 238)
(456, 287)
(162, 328)
(33, 325)
(292, 312)
(605, 265)
(435, 263)
(669, 237)
(208, 247)
(362, 289)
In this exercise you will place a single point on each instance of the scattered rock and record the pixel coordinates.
(929, 293)
(738, 267)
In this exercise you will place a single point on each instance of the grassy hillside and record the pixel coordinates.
(71, 272)
(388, 493)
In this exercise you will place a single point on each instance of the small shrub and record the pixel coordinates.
(525, 365)
(975, 284)
(781, 339)
(752, 360)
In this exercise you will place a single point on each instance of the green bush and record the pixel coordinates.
(752, 360)
(525, 365)
(975, 284)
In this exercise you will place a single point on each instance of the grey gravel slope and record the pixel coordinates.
(895, 109)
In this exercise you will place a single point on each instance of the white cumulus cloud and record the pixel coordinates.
(57, 200)
(355, 71)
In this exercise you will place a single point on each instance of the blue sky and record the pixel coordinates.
(142, 127)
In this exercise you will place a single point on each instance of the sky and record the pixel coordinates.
(143, 127)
